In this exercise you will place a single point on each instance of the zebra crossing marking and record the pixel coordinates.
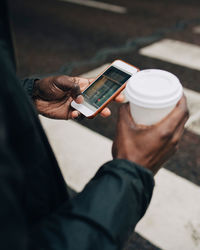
(196, 29)
(69, 139)
(193, 101)
(174, 51)
(186, 55)
(99, 5)
(172, 219)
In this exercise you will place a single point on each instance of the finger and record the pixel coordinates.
(64, 82)
(91, 80)
(84, 82)
(179, 113)
(74, 114)
(125, 115)
(105, 112)
(79, 99)
(76, 93)
(179, 131)
(120, 98)
(69, 84)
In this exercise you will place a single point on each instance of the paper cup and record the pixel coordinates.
(152, 95)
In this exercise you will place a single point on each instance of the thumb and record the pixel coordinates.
(71, 85)
(76, 90)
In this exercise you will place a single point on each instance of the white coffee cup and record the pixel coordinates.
(152, 94)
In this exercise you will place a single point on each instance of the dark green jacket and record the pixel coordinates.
(35, 209)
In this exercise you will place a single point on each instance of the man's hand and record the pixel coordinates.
(149, 146)
(53, 96)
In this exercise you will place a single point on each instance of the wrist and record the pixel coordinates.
(137, 159)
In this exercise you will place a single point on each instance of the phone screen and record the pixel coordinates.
(104, 87)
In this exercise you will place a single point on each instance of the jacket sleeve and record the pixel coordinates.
(103, 215)
(28, 84)
(12, 220)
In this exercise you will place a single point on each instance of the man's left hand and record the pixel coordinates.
(53, 96)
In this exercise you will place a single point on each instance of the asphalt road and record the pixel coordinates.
(55, 36)
(52, 33)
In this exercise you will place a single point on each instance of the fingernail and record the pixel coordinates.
(79, 99)
(75, 114)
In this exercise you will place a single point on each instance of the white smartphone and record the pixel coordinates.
(105, 88)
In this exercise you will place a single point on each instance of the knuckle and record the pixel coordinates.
(75, 80)
(76, 88)
(61, 78)
(175, 142)
(166, 134)
(74, 83)
(187, 113)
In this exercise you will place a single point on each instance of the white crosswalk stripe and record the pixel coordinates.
(186, 55)
(99, 5)
(172, 220)
(173, 51)
(196, 29)
(193, 100)
(69, 139)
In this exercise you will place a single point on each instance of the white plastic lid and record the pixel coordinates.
(153, 88)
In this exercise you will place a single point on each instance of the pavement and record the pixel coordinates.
(69, 37)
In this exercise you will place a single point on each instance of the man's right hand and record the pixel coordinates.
(149, 146)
